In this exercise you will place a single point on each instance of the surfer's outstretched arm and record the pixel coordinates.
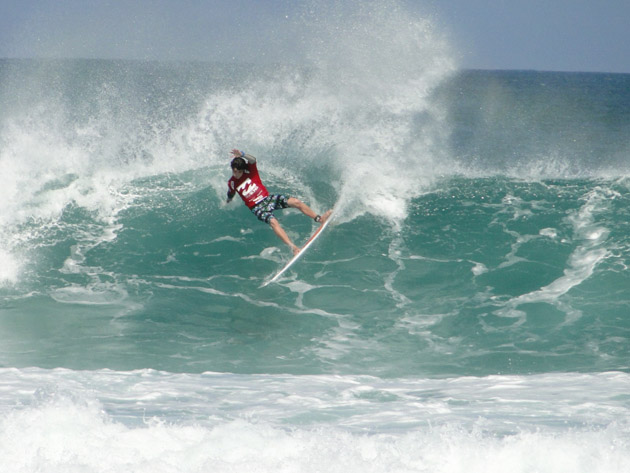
(239, 154)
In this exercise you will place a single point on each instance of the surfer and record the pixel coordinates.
(246, 182)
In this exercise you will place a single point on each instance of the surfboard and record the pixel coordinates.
(292, 261)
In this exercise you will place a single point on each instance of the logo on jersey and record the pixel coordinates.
(247, 188)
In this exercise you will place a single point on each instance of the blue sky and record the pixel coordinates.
(567, 35)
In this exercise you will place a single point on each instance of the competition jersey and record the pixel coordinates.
(249, 186)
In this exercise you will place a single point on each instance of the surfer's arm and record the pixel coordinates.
(231, 192)
(240, 154)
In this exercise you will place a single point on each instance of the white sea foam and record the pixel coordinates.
(63, 420)
(9, 268)
(479, 268)
(582, 262)
(94, 294)
(73, 439)
(548, 232)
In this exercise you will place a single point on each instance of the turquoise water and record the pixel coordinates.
(466, 310)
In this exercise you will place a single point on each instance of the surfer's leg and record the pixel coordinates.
(302, 207)
(278, 230)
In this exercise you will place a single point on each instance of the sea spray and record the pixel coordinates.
(381, 64)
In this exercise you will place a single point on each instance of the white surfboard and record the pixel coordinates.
(310, 241)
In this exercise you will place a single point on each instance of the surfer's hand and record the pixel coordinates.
(237, 153)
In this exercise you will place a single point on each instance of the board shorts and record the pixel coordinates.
(265, 208)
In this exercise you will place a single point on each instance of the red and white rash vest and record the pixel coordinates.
(249, 186)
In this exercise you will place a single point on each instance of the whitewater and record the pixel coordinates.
(467, 309)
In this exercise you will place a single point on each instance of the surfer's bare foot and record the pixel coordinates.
(295, 250)
(325, 216)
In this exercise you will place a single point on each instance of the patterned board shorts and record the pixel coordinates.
(265, 208)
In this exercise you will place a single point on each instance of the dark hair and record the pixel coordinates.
(238, 163)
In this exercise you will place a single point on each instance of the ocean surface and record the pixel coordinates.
(467, 310)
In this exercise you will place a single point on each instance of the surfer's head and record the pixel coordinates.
(238, 164)
(238, 167)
